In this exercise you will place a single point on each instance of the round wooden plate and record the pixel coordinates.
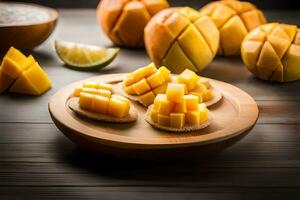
(236, 113)
(28, 32)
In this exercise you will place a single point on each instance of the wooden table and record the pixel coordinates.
(38, 162)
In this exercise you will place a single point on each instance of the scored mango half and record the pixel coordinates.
(272, 52)
(123, 21)
(180, 38)
(234, 19)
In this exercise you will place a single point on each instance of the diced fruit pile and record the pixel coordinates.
(272, 52)
(147, 82)
(234, 20)
(98, 98)
(195, 86)
(21, 74)
(177, 110)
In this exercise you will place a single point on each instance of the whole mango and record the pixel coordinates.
(234, 19)
(124, 20)
(272, 52)
(180, 38)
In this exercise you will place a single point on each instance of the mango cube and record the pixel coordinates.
(166, 73)
(199, 95)
(199, 88)
(90, 84)
(149, 70)
(175, 92)
(129, 90)
(85, 100)
(105, 93)
(177, 120)
(129, 80)
(154, 115)
(141, 87)
(203, 112)
(207, 95)
(191, 102)
(180, 107)
(163, 120)
(118, 108)
(138, 75)
(89, 90)
(148, 98)
(189, 78)
(158, 99)
(162, 105)
(5, 81)
(156, 79)
(33, 81)
(161, 89)
(120, 98)
(77, 91)
(192, 118)
(100, 104)
(104, 86)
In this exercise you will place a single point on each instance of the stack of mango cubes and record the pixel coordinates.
(21, 74)
(177, 110)
(195, 86)
(98, 98)
(147, 82)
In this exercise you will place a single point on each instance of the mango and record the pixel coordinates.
(191, 102)
(85, 100)
(123, 21)
(175, 92)
(163, 120)
(234, 19)
(118, 108)
(33, 81)
(272, 52)
(100, 104)
(154, 115)
(189, 78)
(181, 107)
(147, 82)
(192, 117)
(180, 38)
(177, 120)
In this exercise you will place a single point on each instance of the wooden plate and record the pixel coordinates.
(236, 113)
(34, 26)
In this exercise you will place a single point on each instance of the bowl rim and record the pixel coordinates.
(53, 13)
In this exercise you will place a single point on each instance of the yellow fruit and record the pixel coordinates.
(161, 89)
(207, 96)
(89, 90)
(189, 78)
(90, 84)
(156, 79)
(147, 99)
(104, 86)
(124, 20)
(177, 120)
(272, 52)
(192, 117)
(180, 38)
(181, 107)
(5, 81)
(77, 91)
(175, 92)
(118, 108)
(234, 19)
(191, 102)
(203, 113)
(104, 93)
(100, 104)
(163, 120)
(141, 87)
(33, 81)
(154, 115)
(85, 100)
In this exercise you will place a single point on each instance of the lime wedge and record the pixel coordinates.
(85, 57)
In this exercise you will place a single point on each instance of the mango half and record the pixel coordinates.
(124, 21)
(234, 19)
(272, 52)
(180, 38)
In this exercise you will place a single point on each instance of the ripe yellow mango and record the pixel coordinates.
(203, 113)
(191, 102)
(234, 19)
(154, 115)
(175, 92)
(156, 79)
(85, 100)
(276, 57)
(163, 120)
(180, 107)
(100, 104)
(189, 78)
(161, 89)
(33, 81)
(193, 117)
(118, 108)
(180, 38)
(147, 99)
(124, 20)
(177, 120)
(141, 87)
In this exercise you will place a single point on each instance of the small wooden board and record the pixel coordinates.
(236, 113)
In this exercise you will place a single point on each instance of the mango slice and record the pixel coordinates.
(279, 57)
(124, 20)
(180, 38)
(234, 19)
(33, 81)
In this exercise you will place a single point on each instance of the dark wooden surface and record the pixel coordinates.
(38, 162)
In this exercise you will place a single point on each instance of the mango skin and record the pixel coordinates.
(272, 52)
(123, 21)
(234, 19)
(180, 38)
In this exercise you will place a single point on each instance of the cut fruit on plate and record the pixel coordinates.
(85, 57)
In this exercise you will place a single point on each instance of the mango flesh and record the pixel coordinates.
(123, 21)
(272, 52)
(21, 74)
(180, 38)
(147, 82)
(177, 110)
(98, 98)
(234, 19)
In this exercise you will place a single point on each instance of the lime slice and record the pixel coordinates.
(85, 57)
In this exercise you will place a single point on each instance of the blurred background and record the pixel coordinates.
(264, 4)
